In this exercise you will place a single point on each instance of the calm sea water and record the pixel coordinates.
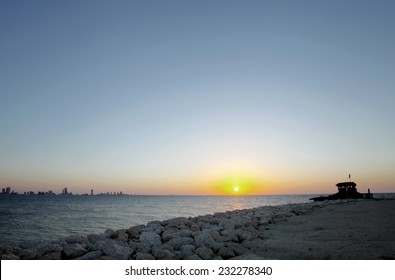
(51, 217)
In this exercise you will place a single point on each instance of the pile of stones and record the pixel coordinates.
(228, 235)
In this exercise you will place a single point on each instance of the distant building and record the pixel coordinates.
(8, 190)
(66, 192)
(91, 192)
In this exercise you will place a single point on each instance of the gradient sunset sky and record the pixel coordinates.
(196, 97)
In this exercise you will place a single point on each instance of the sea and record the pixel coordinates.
(45, 217)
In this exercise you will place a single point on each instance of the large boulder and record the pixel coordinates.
(156, 226)
(177, 223)
(195, 227)
(92, 255)
(193, 257)
(94, 238)
(204, 239)
(51, 256)
(226, 253)
(122, 235)
(229, 235)
(144, 256)
(205, 253)
(169, 234)
(150, 238)
(237, 248)
(14, 250)
(188, 250)
(178, 242)
(248, 233)
(134, 232)
(77, 238)
(115, 249)
(45, 249)
(73, 251)
(156, 249)
(31, 244)
(110, 233)
(9, 256)
(166, 255)
(29, 254)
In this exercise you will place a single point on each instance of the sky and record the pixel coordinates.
(197, 97)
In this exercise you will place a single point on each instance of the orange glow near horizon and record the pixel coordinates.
(222, 181)
(236, 185)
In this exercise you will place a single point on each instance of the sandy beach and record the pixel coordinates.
(353, 230)
(356, 229)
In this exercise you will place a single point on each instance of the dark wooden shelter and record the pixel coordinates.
(346, 190)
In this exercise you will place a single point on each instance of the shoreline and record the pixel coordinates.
(311, 230)
(356, 230)
(59, 217)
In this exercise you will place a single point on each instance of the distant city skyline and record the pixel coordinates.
(197, 97)
(64, 191)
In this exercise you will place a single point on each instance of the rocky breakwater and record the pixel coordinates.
(225, 235)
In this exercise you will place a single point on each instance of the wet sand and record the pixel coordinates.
(354, 230)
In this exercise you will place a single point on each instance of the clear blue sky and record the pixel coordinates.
(169, 96)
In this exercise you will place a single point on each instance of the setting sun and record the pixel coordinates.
(236, 184)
